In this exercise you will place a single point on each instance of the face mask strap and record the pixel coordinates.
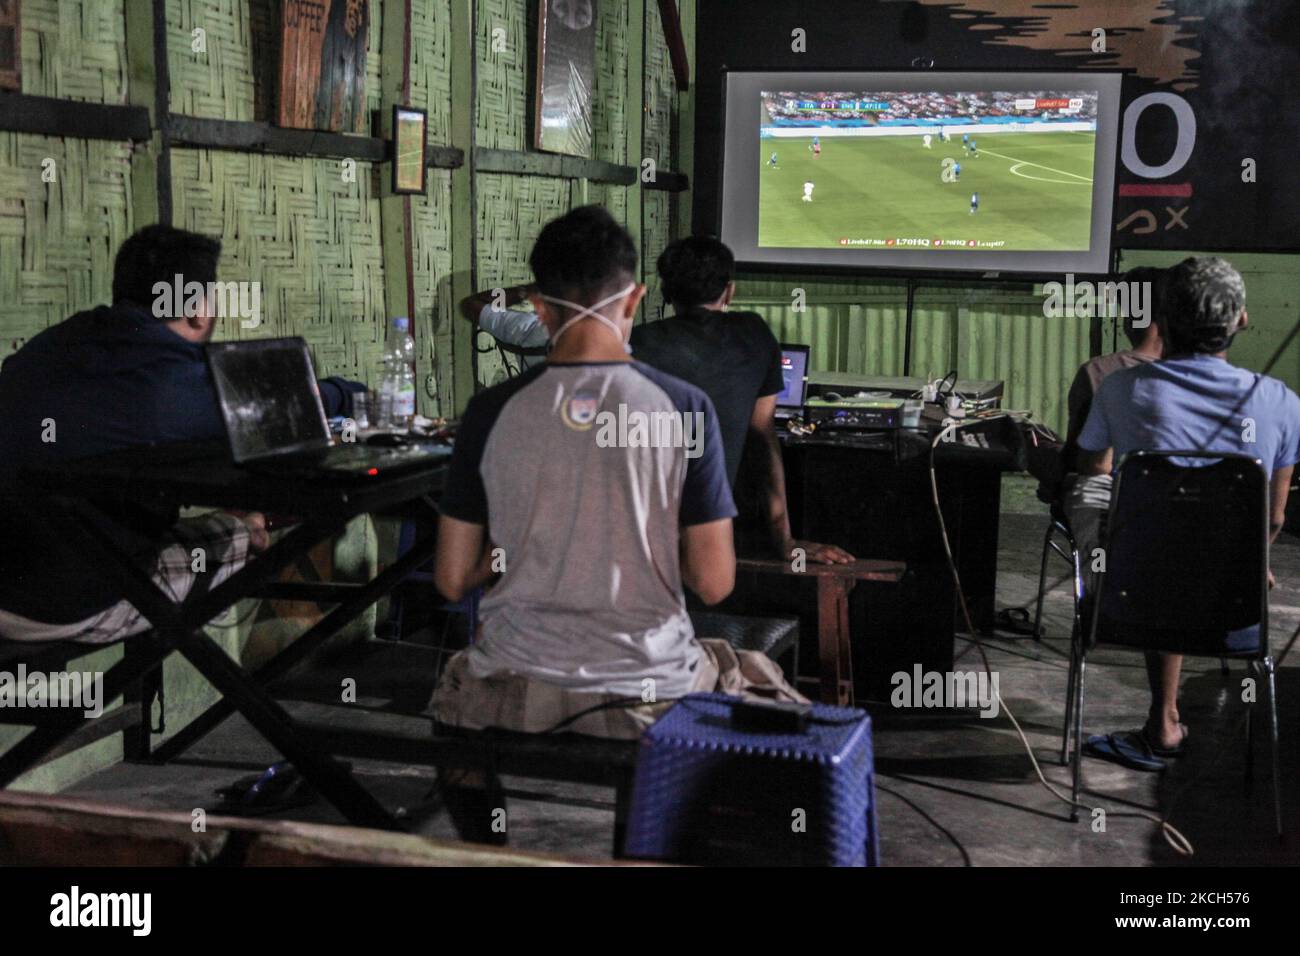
(590, 312)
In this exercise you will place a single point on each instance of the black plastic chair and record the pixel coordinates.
(1186, 572)
(1058, 539)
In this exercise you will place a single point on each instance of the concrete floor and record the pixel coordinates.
(954, 790)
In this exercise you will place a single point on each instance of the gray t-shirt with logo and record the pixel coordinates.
(584, 475)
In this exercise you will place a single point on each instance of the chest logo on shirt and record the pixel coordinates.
(579, 410)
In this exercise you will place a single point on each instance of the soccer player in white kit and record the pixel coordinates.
(807, 192)
(925, 140)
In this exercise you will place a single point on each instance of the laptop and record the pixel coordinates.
(275, 421)
(794, 372)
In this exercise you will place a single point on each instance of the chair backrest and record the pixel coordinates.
(1186, 554)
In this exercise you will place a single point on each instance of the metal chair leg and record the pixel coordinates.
(1042, 580)
(1273, 741)
(1078, 738)
(1069, 701)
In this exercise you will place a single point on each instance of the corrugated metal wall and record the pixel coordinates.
(983, 332)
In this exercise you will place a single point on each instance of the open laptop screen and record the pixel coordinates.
(794, 371)
(269, 398)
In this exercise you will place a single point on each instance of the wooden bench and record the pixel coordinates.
(54, 830)
(62, 730)
(835, 582)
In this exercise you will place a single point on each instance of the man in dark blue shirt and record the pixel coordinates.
(113, 377)
(734, 358)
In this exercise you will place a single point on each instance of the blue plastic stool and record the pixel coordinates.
(706, 793)
(467, 606)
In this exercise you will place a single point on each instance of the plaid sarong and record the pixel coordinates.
(223, 541)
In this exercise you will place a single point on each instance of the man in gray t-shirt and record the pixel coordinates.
(596, 487)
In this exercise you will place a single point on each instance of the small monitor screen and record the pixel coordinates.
(794, 368)
(269, 397)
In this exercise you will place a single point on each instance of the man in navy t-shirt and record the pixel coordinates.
(734, 358)
(1194, 399)
(109, 378)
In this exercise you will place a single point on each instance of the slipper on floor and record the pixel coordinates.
(1016, 620)
(1128, 749)
(1166, 753)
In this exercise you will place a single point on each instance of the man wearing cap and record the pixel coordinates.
(1193, 398)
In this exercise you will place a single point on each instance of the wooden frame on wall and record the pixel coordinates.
(566, 76)
(11, 49)
(323, 65)
(410, 127)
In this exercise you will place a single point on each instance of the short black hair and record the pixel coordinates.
(1204, 298)
(159, 254)
(1156, 278)
(696, 270)
(581, 254)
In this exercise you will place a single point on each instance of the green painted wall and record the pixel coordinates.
(985, 332)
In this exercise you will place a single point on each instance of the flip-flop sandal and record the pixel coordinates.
(1167, 753)
(1016, 620)
(1128, 749)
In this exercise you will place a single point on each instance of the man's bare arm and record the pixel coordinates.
(463, 561)
(1279, 488)
(762, 427)
(709, 560)
(1096, 462)
(472, 306)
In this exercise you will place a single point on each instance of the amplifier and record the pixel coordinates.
(855, 414)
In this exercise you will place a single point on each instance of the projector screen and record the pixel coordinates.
(1001, 172)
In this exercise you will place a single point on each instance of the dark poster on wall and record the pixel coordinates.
(323, 64)
(10, 38)
(566, 71)
(1210, 122)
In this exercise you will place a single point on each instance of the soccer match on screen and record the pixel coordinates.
(995, 171)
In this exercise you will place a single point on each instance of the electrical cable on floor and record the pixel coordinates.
(1173, 837)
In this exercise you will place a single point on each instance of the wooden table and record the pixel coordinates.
(835, 582)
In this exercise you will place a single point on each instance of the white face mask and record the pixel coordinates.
(591, 312)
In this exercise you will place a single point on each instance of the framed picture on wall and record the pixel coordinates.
(323, 65)
(409, 126)
(11, 35)
(566, 74)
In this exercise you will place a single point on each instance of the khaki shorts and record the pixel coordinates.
(514, 702)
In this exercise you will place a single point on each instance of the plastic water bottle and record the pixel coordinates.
(399, 374)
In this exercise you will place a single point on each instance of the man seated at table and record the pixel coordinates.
(109, 378)
(595, 485)
(519, 331)
(1192, 399)
(734, 358)
(1084, 499)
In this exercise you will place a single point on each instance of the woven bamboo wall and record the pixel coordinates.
(657, 221)
(74, 49)
(510, 210)
(57, 239)
(294, 225)
(431, 213)
(311, 240)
